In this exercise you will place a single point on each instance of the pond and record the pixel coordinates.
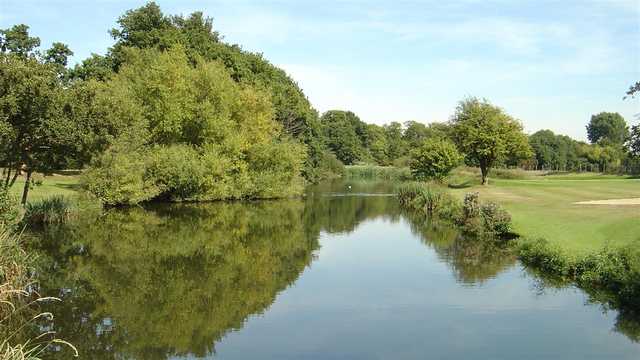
(340, 274)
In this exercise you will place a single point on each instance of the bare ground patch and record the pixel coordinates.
(632, 201)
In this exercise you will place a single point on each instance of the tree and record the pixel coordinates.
(607, 127)
(434, 159)
(16, 40)
(148, 28)
(183, 132)
(34, 126)
(633, 90)
(485, 134)
(342, 132)
(396, 147)
(58, 54)
(633, 144)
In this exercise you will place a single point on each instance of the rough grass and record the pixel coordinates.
(543, 207)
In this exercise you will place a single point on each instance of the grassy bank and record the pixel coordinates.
(545, 207)
(596, 247)
(47, 186)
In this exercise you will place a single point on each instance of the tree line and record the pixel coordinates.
(171, 111)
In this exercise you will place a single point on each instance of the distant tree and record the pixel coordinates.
(58, 54)
(396, 147)
(633, 90)
(16, 40)
(434, 159)
(96, 67)
(342, 133)
(376, 144)
(485, 134)
(607, 127)
(633, 144)
(415, 133)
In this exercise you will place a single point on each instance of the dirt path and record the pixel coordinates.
(634, 201)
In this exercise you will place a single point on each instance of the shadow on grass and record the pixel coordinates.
(464, 185)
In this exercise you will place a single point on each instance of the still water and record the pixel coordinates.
(340, 274)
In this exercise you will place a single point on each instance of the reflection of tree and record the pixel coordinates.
(627, 319)
(175, 279)
(472, 260)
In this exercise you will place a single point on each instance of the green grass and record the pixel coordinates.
(51, 186)
(543, 206)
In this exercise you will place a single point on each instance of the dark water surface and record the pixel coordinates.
(341, 274)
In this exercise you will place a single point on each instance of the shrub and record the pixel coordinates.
(434, 160)
(117, 177)
(54, 210)
(497, 220)
(176, 171)
(10, 212)
(484, 220)
(615, 271)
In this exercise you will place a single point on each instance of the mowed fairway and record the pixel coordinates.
(544, 206)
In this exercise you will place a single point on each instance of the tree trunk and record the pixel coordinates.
(8, 177)
(485, 174)
(15, 177)
(25, 192)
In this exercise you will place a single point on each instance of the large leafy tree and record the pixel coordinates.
(487, 135)
(343, 132)
(188, 132)
(36, 133)
(148, 27)
(607, 127)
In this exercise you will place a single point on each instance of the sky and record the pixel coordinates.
(550, 64)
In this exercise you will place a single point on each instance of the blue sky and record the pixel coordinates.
(550, 64)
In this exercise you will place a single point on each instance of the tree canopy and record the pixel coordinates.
(607, 127)
(487, 135)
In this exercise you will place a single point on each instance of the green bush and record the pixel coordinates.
(614, 271)
(117, 177)
(496, 220)
(176, 171)
(487, 220)
(434, 160)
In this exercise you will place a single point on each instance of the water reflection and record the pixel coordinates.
(173, 280)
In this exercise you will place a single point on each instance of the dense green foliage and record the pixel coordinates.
(486, 135)
(148, 28)
(616, 271)
(36, 131)
(607, 127)
(434, 159)
(189, 133)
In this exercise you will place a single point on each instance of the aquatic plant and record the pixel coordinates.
(54, 210)
(19, 304)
